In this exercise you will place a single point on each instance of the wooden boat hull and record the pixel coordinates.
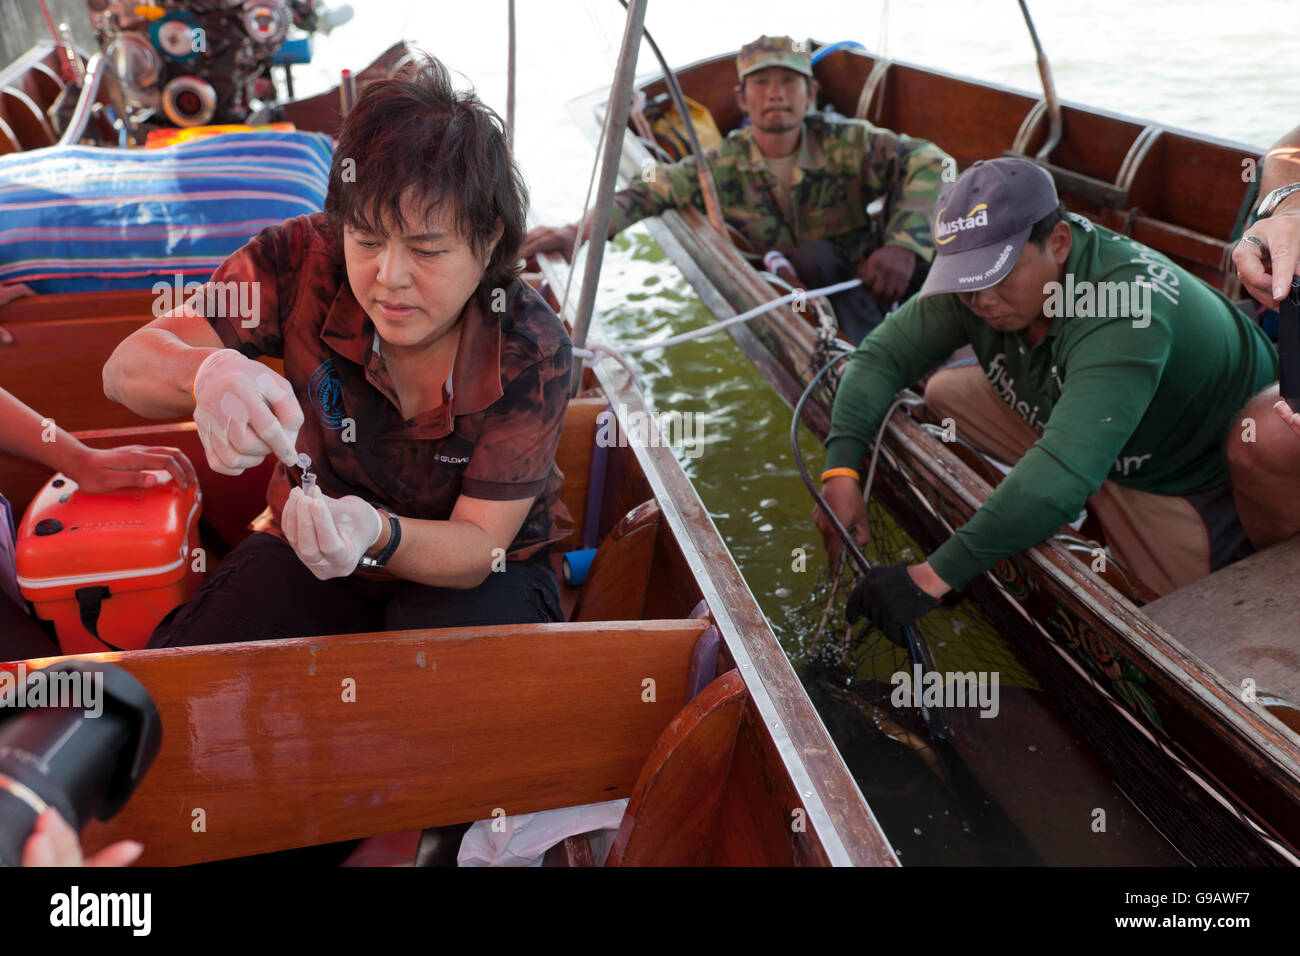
(1218, 775)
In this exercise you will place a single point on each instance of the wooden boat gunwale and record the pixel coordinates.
(655, 84)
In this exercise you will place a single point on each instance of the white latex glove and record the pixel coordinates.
(329, 535)
(244, 412)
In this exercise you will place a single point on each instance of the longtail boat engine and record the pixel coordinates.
(195, 62)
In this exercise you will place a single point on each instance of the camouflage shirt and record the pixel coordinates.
(843, 166)
(494, 435)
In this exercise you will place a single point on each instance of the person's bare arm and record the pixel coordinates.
(1282, 166)
(557, 238)
(152, 371)
(1266, 272)
(25, 433)
(457, 553)
(844, 497)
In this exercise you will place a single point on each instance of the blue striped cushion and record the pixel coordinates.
(88, 219)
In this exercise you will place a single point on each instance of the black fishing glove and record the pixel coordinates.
(890, 599)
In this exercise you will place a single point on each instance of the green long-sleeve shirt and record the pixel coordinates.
(843, 166)
(1147, 404)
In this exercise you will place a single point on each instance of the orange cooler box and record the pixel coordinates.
(107, 568)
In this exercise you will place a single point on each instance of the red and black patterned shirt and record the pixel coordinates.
(494, 435)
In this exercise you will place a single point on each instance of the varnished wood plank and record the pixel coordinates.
(763, 821)
(572, 851)
(43, 84)
(573, 458)
(615, 588)
(446, 727)
(60, 343)
(674, 806)
(74, 357)
(671, 590)
(320, 113)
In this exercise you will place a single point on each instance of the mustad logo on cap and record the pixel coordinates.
(946, 231)
(991, 270)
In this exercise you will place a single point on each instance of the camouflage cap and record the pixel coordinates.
(773, 51)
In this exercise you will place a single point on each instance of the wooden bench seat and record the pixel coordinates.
(1244, 621)
(262, 750)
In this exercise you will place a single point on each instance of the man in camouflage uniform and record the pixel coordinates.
(800, 183)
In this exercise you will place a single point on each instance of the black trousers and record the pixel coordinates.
(262, 591)
(819, 262)
(21, 637)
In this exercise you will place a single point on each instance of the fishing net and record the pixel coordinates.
(932, 809)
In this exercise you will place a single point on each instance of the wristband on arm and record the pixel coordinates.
(840, 473)
(394, 539)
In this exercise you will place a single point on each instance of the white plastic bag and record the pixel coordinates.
(524, 839)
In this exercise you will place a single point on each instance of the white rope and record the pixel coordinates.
(595, 348)
(586, 205)
(827, 329)
(875, 452)
(719, 326)
(607, 44)
(595, 165)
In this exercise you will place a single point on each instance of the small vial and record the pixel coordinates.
(308, 479)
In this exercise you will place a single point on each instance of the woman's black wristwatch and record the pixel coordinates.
(394, 539)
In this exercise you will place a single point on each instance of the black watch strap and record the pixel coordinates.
(394, 539)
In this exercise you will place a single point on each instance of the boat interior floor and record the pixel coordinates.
(1241, 620)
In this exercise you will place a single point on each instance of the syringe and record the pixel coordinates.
(308, 479)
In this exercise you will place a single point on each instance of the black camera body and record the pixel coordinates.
(77, 736)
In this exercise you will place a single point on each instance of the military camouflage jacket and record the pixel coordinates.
(843, 166)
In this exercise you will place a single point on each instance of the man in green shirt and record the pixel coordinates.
(1105, 374)
(800, 183)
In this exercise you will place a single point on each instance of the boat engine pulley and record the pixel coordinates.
(197, 62)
